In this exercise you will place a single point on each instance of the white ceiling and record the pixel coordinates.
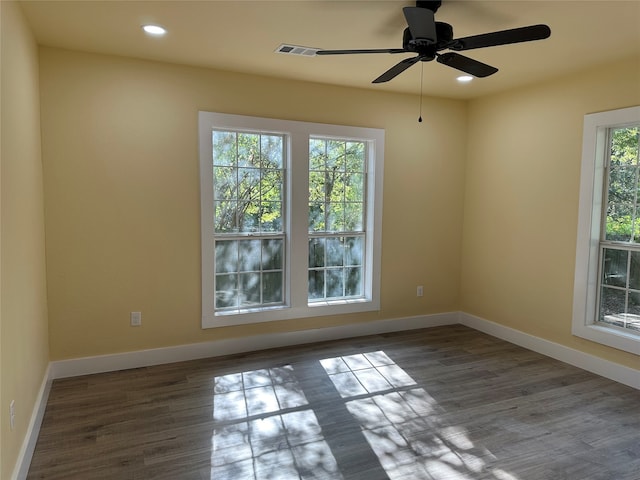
(242, 36)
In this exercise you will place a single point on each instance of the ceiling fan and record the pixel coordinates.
(426, 37)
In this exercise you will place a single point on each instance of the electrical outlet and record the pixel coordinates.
(12, 414)
(136, 319)
(419, 291)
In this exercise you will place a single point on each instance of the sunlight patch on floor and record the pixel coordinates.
(266, 429)
(402, 422)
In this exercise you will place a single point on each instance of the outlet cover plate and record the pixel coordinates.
(136, 319)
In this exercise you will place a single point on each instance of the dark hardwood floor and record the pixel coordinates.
(440, 403)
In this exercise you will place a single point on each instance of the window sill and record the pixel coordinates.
(610, 336)
(324, 308)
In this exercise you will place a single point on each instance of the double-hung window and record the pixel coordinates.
(337, 171)
(249, 232)
(607, 277)
(291, 219)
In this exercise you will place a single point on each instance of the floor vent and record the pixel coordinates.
(297, 50)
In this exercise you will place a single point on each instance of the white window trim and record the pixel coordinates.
(297, 226)
(589, 224)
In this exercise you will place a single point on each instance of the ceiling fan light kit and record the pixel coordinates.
(426, 37)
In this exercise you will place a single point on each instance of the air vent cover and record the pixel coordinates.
(297, 50)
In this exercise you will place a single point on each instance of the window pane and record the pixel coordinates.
(224, 183)
(317, 155)
(316, 187)
(633, 318)
(355, 156)
(335, 284)
(226, 256)
(224, 148)
(272, 287)
(248, 217)
(272, 254)
(335, 217)
(248, 150)
(316, 284)
(316, 252)
(624, 145)
(353, 217)
(271, 185)
(335, 252)
(271, 217)
(621, 201)
(249, 255)
(226, 291)
(271, 150)
(335, 186)
(612, 305)
(249, 184)
(355, 187)
(249, 289)
(634, 271)
(316, 217)
(353, 250)
(335, 155)
(353, 287)
(614, 268)
(224, 220)
(634, 304)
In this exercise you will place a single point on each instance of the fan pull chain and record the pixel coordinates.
(421, 75)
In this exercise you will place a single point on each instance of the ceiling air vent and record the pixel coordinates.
(297, 50)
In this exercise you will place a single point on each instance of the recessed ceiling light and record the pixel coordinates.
(464, 78)
(154, 29)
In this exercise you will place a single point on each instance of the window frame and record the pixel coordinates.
(297, 135)
(590, 221)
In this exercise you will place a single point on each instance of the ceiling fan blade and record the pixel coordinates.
(422, 24)
(503, 37)
(466, 64)
(371, 50)
(396, 70)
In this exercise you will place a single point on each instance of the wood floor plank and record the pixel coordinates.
(433, 404)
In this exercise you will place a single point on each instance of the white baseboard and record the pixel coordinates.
(33, 430)
(158, 356)
(585, 361)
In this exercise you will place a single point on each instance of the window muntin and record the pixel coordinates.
(619, 290)
(248, 205)
(337, 209)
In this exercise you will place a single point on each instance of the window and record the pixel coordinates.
(336, 218)
(249, 235)
(291, 219)
(607, 276)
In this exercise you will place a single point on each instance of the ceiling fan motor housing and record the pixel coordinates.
(428, 49)
(429, 5)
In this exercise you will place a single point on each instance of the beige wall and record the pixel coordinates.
(120, 154)
(521, 203)
(24, 354)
